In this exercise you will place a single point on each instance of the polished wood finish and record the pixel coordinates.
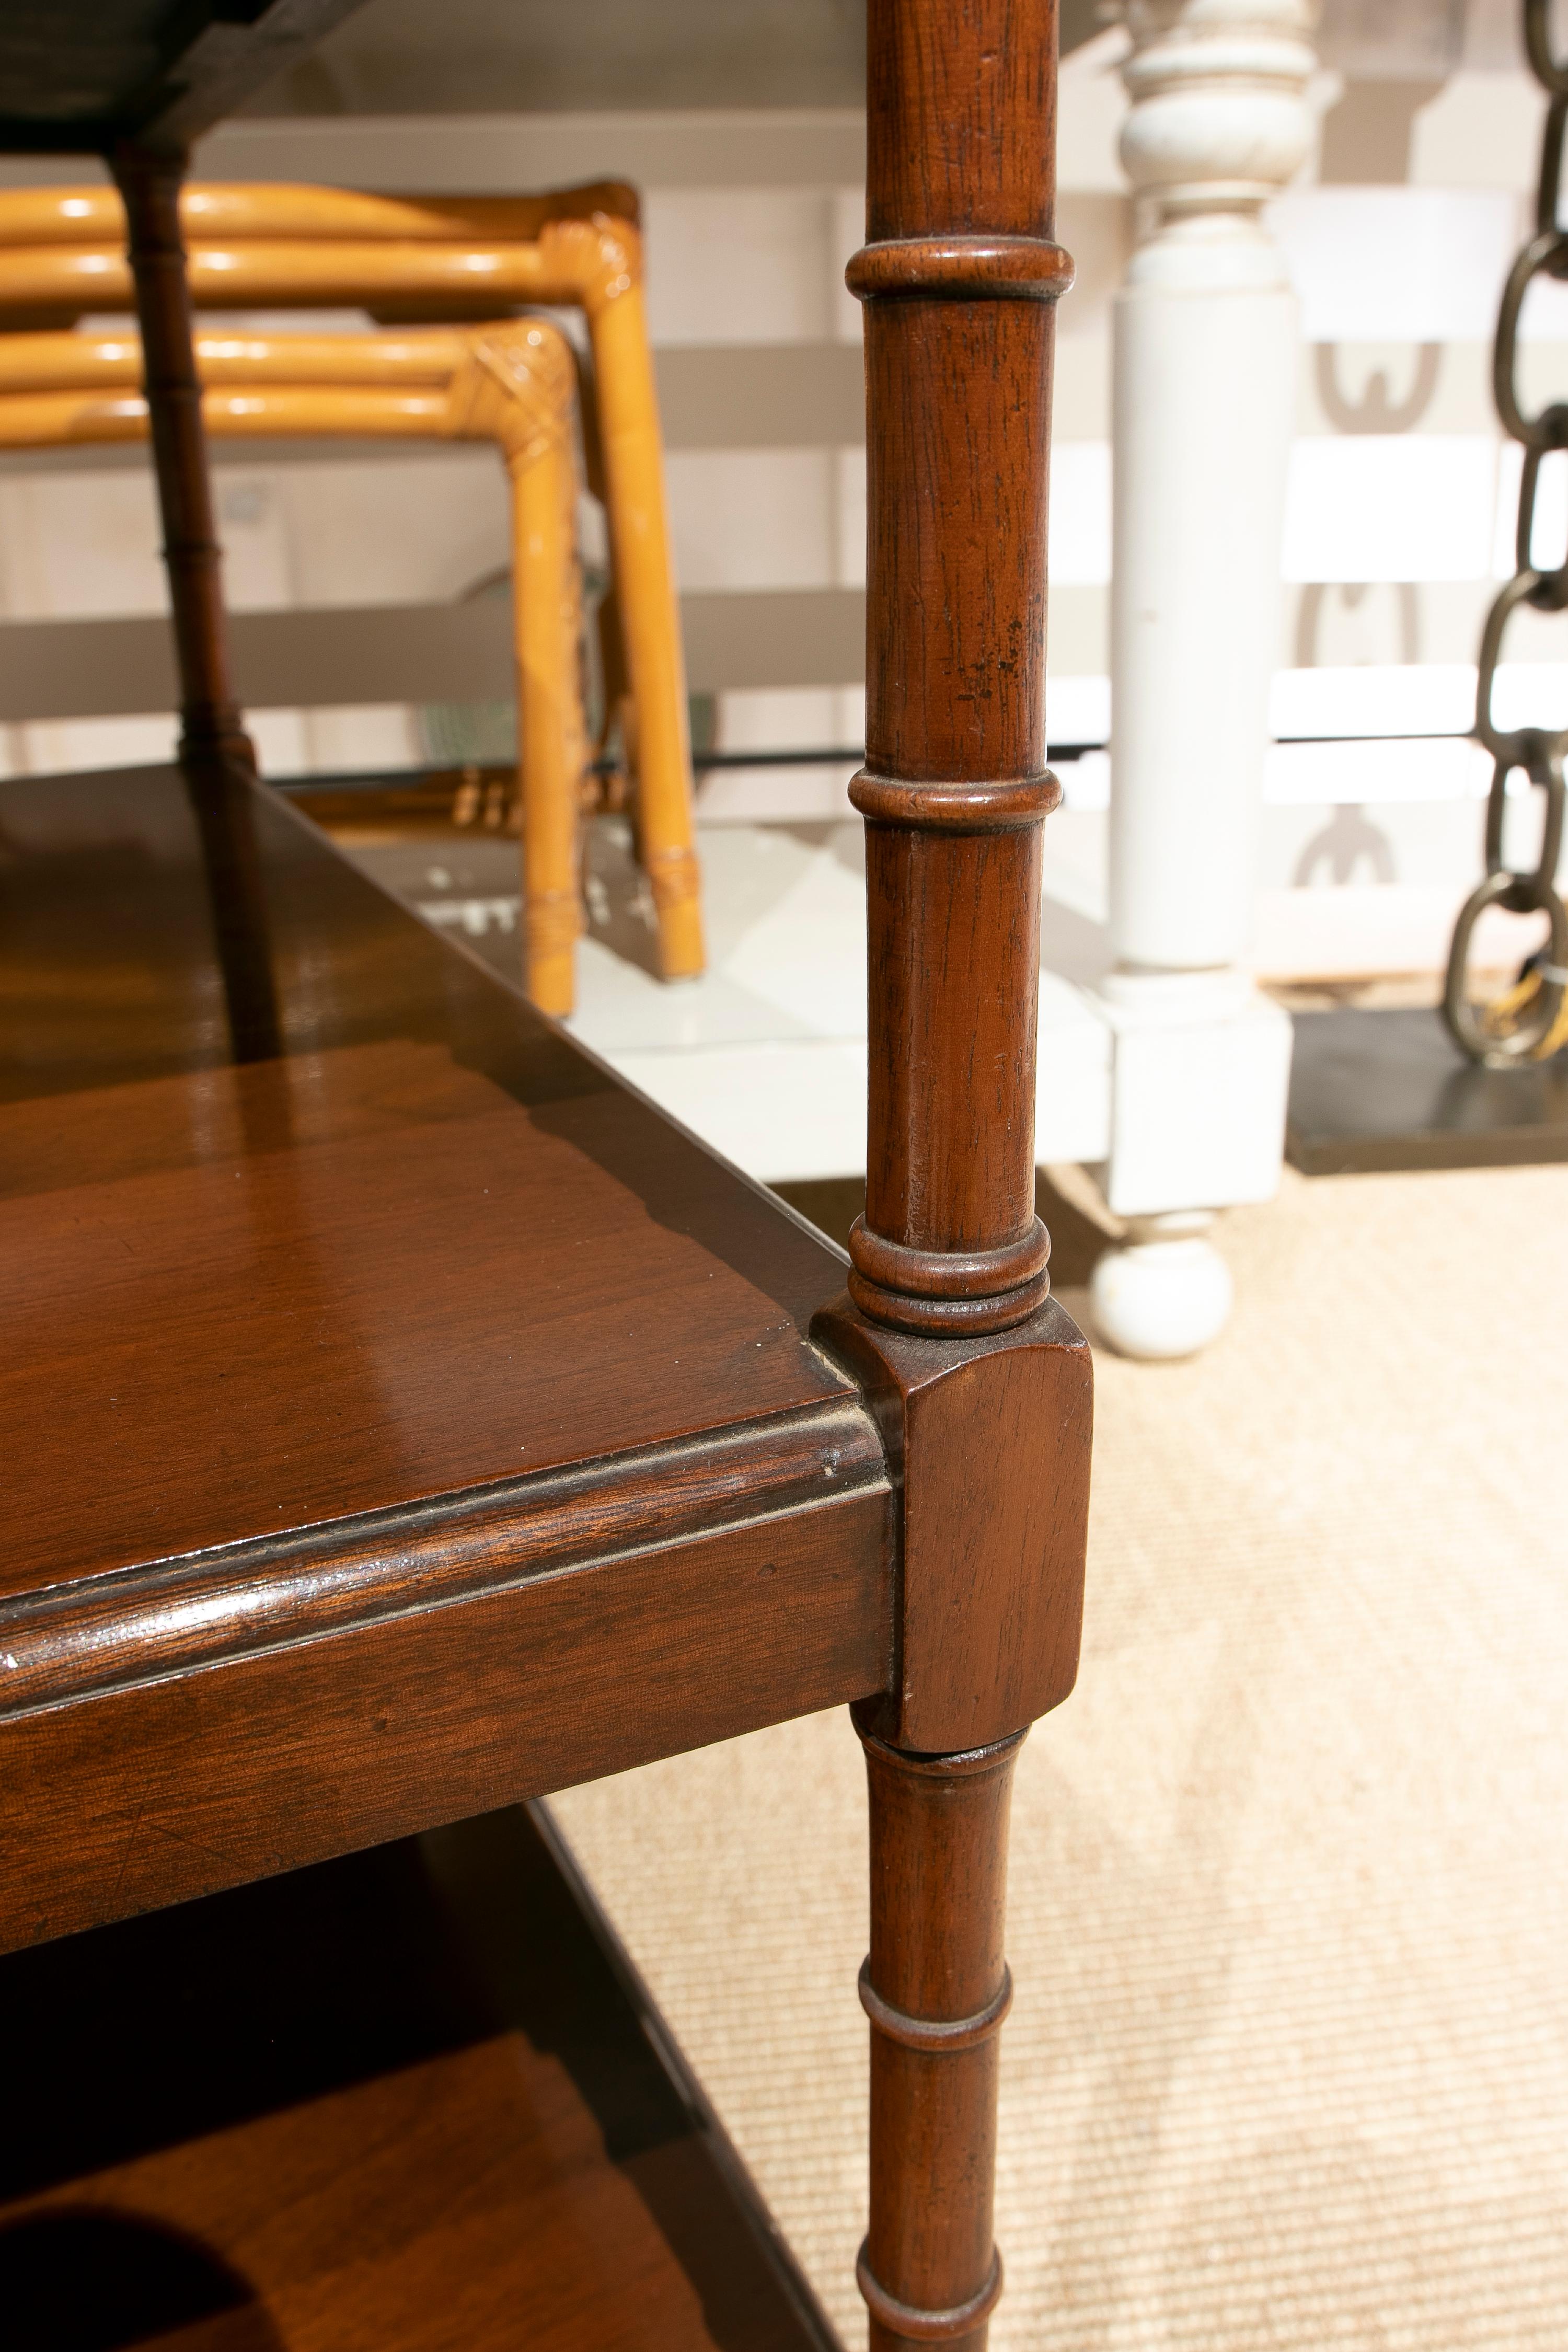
(409, 2100)
(312, 1595)
(958, 277)
(458, 1250)
(406, 1423)
(148, 1792)
(989, 1444)
(936, 1988)
(981, 1385)
(831, 1203)
(214, 750)
(149, 183)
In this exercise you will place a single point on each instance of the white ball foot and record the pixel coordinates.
(1164, 1293)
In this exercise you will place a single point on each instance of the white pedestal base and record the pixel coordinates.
(1200, 1072)
(1164, 1292)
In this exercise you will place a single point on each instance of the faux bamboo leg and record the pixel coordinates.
(550, 712)
(215, 751)
(936, 1988)
(149, 186)
(639, 540)
(959, 273)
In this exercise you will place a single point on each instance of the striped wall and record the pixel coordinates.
(347, 568)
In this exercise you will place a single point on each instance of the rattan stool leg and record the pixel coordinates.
(550, 715)
(640, 544)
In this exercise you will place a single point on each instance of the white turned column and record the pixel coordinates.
(1203, 405)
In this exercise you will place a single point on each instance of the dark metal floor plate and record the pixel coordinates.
(1389, 1089)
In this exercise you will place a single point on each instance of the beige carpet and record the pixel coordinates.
(1288, 2064)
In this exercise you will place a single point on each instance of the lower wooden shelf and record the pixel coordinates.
(412, 2099)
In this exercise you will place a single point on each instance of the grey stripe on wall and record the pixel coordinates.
(414, 155)
(462, 653)
(802, 637)
(406, 653)
(763, 396)
(499, 155)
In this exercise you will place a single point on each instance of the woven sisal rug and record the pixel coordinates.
(1289, 2062)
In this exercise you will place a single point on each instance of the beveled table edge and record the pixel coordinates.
(128, 1626)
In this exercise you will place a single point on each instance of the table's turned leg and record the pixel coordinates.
(936, 1988)
(981, 1385)
(215, 751)
(150, 182)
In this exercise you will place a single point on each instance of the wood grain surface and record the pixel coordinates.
(982, 1390)
(400, 1427)
(432, 1247)
(958, 277)
(937, 1990)
(412, 2100)
(406, 1243)
(210, 731)
(159, 1790)
(989, 1447)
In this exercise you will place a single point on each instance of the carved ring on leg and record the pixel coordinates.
(948, 1290)
(926, 2326)
(936, 2034)
(928, 2271)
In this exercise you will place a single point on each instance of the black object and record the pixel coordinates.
(77, 77)
(1389, 1089)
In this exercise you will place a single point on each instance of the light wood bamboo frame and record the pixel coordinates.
(514, 385)
(262, 246)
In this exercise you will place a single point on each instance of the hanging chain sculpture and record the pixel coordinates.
(1528, 1022)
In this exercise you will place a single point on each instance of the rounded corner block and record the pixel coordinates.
(988, 1443)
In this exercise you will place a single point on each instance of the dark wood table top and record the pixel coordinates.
(434, 1247)
(406, 1317)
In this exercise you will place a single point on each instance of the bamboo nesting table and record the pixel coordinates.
(403, 1419)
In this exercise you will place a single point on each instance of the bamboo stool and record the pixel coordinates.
(512, 383)
(62, 256)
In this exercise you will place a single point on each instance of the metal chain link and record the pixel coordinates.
(1529, 1021)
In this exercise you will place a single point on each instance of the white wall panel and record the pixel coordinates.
(1091, 107)
(1080, 514)
(1425, 264)
(1380, 506)
(742, 265)
(395, 530)
(356, 737)
(1480, 130)
(754, 518)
